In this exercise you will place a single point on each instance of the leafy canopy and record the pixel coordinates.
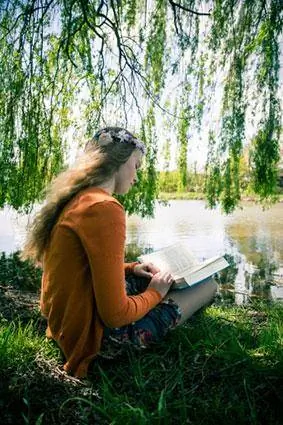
(74, 64)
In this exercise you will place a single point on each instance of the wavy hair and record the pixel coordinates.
(96, 166)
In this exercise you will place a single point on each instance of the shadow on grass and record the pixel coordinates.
(224, 366)
(213, 370)
(20, 305)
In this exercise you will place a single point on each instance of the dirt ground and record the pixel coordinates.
(19, 305)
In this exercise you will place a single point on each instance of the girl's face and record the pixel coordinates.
(126, 176)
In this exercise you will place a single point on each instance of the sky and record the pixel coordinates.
(166, 123)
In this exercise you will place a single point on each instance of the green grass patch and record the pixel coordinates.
(168, 196)
(225, 365)
(17, 273)
(189, 196)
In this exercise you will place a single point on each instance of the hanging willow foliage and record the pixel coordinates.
(86, 63)
(250, 32)
(183, 127)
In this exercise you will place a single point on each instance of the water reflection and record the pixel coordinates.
(251, 239)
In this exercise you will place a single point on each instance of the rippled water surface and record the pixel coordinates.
(251, 238)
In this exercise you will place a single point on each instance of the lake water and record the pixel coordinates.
(251, 238)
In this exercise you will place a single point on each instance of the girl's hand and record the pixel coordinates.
(162, 282)
(145, 270)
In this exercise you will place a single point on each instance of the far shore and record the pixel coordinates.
(188, 196)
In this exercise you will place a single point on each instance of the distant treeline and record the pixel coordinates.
(170, 181)
(173, 182)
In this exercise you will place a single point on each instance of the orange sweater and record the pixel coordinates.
(83, 278)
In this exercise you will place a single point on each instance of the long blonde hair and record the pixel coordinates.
(95, 167)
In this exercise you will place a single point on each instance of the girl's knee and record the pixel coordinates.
(210, 288)
(213, 286)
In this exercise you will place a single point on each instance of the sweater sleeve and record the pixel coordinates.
(102, 232)
(129, 267)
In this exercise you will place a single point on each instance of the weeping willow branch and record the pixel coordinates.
(60, 56)
(186, 9)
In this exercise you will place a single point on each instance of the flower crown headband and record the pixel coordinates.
(106, 136)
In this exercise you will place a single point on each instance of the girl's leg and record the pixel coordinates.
(193, 298)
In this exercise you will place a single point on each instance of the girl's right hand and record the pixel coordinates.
(162, 282)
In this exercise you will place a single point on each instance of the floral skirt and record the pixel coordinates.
(144, 332)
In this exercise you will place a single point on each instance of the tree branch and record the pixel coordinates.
(186, 9)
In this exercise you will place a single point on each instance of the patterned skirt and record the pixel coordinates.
(140, 334)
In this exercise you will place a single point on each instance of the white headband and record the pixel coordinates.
(106, 136)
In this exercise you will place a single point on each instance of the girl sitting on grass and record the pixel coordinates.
(95, 303)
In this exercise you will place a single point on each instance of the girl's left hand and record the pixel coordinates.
(146, 270)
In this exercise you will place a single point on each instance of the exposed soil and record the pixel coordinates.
(16, 304)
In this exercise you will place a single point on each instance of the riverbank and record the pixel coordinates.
(225, 365)
(189, 196)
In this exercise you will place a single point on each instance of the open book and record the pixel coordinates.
(186, 269)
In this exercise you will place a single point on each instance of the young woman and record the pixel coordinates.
(93, 301)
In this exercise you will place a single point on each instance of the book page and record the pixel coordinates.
(175, 259)
(205, 270)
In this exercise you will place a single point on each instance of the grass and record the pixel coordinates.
(188, 196)
(224, 366)
(168, 196)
